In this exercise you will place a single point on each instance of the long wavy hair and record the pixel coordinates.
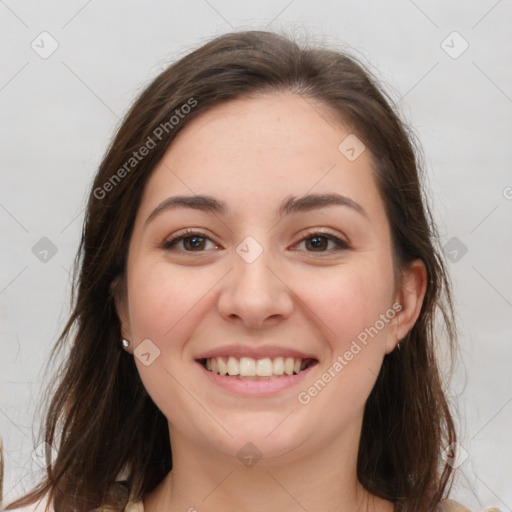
(101, 420)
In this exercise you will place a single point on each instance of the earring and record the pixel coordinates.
(398, 346)
(126, 343)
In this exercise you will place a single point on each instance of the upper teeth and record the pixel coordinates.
(247, 366)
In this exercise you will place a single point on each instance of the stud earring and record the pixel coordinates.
(126, 343)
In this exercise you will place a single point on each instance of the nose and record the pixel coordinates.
(254, 294)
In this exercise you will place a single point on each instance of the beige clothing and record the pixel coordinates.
(452, 506)
(134, 507)
(444, 506)
(137, 506)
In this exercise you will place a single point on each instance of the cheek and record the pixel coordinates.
(349, 304)
(165, 305)
(163, 299)
(346, 301)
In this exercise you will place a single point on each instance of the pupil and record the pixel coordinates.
(317, 242)
(195, 241)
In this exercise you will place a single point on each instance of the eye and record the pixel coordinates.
(193, 241)
(319, 242)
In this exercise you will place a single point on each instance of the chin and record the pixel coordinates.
(269, 436)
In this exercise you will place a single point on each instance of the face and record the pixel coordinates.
(263, 274)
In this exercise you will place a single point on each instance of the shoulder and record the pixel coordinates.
(40, 506)
(119, 492)
(134, 506)
(451, 506)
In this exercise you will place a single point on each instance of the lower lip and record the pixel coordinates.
(256, 387)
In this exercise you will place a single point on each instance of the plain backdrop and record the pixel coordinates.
(70, 70)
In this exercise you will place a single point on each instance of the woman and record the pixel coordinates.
(258, 280)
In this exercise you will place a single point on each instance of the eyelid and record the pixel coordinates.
(342, 245)
(185, 233)
(341, 242)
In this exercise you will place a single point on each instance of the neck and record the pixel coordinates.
(209, 480)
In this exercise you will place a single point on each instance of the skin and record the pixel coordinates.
(252, 153)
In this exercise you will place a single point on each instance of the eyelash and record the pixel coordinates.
(169, 245)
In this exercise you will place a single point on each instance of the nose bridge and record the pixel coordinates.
(253, 293)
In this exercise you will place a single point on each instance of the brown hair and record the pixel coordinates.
(108, 422)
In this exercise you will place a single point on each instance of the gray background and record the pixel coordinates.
(60, 112)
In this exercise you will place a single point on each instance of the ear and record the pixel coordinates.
(410, 297)
(118, 292)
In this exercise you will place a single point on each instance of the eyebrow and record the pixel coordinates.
(290, 205)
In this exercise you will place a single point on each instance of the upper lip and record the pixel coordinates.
(260, 352)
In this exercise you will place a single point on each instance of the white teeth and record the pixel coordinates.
(223, 367)
(233, 366)
(264, 367)
(252, 368)
(247, 367)
(288, 365)
(278, 366)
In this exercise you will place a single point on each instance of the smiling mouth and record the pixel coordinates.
(247, 368)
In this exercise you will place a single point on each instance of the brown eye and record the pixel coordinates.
(319, 242)
(192, 242)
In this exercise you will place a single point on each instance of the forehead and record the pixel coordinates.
(274, 125)
(252, 152)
